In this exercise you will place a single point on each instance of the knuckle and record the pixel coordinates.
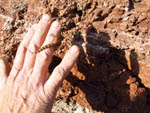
(40, 29)
(33, 86)
(51, 34)
(25, 71)
(17, 66)
(22, 47)
(44, 55)
(32, 47)
(53, 38)
(15, 70)
(60, 71)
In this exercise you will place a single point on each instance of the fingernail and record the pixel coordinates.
(45, 18)
(55, 25)
(74, 50)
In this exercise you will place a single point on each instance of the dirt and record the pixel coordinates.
(112, 72)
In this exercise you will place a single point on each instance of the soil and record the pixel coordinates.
(112, 72)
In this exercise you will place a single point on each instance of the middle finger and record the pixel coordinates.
(36, 42)
(44, 57)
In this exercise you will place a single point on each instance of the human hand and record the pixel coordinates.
(26, 89)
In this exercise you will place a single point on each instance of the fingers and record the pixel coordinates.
(4, 71)
(20, 55)
(61, 71)
(37, 41)
(43, 58)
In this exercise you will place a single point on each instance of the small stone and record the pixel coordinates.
(79, 110)
(125, 17)
(131, 80)
(87, 110)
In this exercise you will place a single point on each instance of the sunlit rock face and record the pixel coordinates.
(112, 72)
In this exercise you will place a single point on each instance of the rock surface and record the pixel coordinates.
(112, 72)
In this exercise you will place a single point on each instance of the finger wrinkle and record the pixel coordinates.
(44, 56)
(33, 47)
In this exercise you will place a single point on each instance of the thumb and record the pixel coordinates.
(61, 71)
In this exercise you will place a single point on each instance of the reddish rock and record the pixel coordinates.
(112, 72)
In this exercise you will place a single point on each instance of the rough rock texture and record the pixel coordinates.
(61, 106)
(112, 72)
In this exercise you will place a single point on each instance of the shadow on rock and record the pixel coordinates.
(109, 76)
(104, 78)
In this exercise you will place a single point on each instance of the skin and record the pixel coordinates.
(26, 88)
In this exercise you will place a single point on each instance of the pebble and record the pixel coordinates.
(60, 106)
(131, 80)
